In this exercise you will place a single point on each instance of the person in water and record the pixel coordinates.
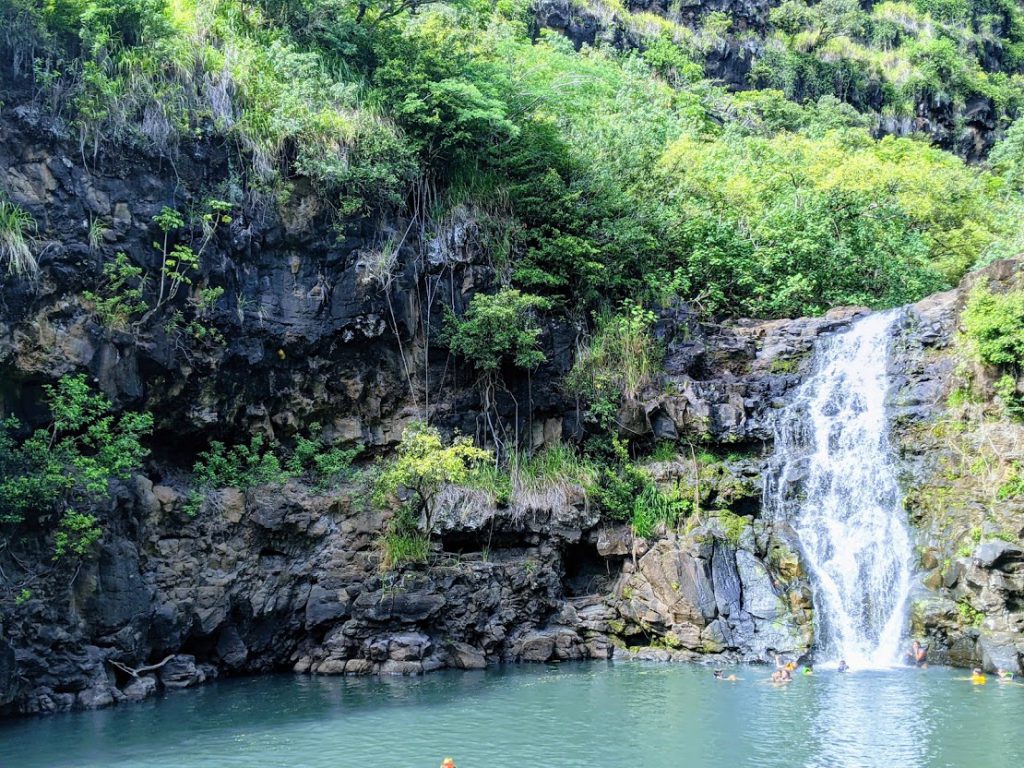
(808, 670)
(1004, 675)
(719, 675)
(918, 655)
(447, 763)
(843, 666)
(977, 677)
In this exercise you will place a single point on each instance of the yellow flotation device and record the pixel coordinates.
(978, 679)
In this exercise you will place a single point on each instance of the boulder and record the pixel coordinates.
(465, 656)
(759, 596)
(140, 688)
(180, 672)
(991, 554)
(1002, 650)
(410, 646)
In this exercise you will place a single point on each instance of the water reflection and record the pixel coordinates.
(851, 729)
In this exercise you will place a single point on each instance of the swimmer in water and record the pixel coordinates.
(977, 677)
(843, 666)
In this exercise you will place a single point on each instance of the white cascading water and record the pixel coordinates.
(833, 477)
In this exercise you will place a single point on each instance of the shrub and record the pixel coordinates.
(402, 543)
(654, 507)
(423, 464)
(620, 359)
(118, 298)
(994, 324)
(55, 472)
(326, 464)
(498, 328)
(240, 466)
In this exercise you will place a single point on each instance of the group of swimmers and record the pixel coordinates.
(916, 656)
(784, 670)
(978, 676)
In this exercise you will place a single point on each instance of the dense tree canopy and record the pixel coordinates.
(604, 174)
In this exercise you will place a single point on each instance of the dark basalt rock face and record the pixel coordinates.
(287, 578)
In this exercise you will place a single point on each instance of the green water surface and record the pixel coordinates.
(585, 715)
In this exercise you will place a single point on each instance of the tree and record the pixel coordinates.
(423, 465)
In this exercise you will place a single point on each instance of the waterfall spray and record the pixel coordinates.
(833, 477)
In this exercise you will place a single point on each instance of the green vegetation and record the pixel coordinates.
(402, 542)
(49, 475)
(258, 463)
(903, 52)
(240, 466)
(326, 465)
(1013, 486)
(969, 615)
(118, 300)
(558, 464)
(654, 507)
(733, 525)
(994, 323)
(620, 358)
(16, 229)
(422, 466)
(994, 329)
(498, 328)
(597, 176)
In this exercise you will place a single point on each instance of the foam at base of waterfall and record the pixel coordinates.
(833, 476)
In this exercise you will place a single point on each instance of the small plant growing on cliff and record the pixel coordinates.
(423, 465)
(969, 615)
(16, 230)
(179, 261)
(55, 471)
(117, 300)
(497, 330)
(994, 323)
(327, 465)
(402, 543)
(1013, 486)
(240, 466)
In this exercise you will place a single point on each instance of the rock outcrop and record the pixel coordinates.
(958, 447)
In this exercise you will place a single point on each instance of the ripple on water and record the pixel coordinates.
(592, 715)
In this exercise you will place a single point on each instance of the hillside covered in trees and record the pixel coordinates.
(612, 170)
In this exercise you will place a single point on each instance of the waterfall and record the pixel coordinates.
(833, 478)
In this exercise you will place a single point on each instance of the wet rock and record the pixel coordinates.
(759, 596)
(1002, 650)
(140, 688)
(393, 667)
(993, 554)
(552, 644)
(231, 648)
(465, 656)
(412, 646)
(180, 672)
